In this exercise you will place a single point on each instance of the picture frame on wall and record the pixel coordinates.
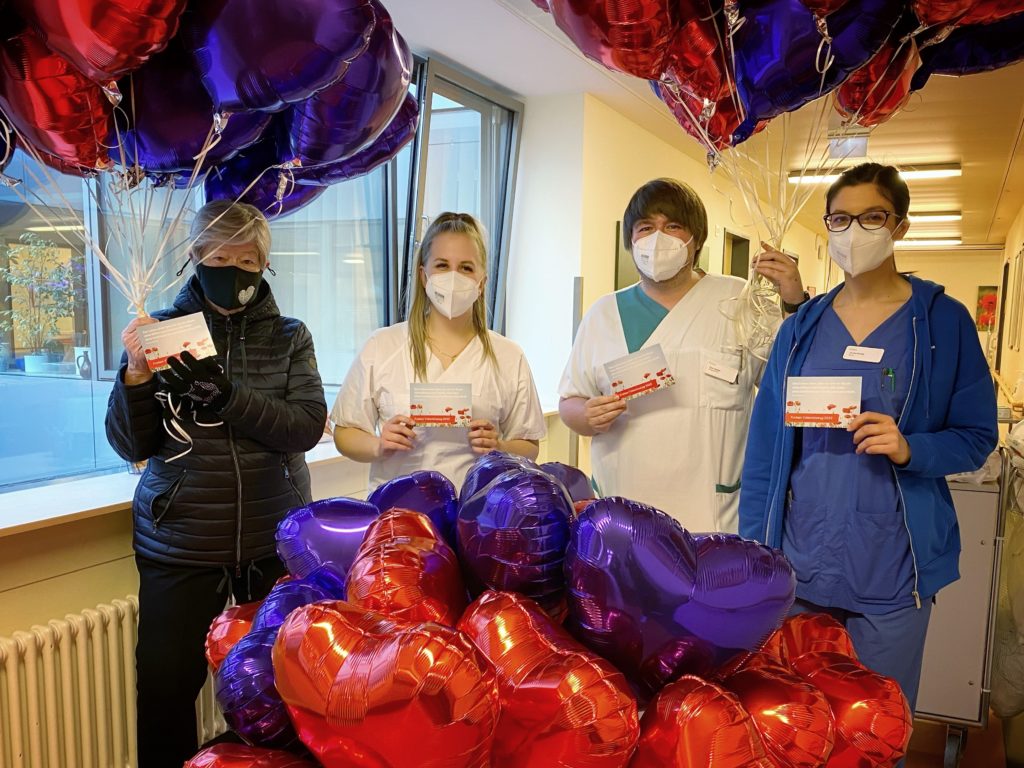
(986, 307)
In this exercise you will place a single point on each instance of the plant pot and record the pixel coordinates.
(36, 364)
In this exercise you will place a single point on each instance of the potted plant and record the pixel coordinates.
(42, 287)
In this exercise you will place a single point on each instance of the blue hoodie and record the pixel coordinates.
(949, 422)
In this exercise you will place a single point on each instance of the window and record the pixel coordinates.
(342, 265)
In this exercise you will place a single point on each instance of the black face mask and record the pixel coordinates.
(228, 287)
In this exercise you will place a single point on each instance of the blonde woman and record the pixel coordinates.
(445, 341)
(225, 438)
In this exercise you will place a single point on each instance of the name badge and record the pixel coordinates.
(864, 354)
(721, 371)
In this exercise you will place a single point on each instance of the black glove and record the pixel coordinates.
(201, 381)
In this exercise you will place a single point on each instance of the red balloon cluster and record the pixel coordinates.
(561, 705)
(226, 630)
(405, 571)
(365, 690)
(244, 756)
(803, 701)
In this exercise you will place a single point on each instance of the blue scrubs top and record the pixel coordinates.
(640, 316)
(844, 529)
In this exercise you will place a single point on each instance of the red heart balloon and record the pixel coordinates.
(53, 106)
(791, 716)
(369, 691)
(872, 720)
(244, 756)
(404, 570)
(561, 705)
(696, 58)
(934, 12)
(807, 633)
(711, 123)
(882, 87)
(226, 630)
(104, 39)
(823, 8)
(989, 11)
(694, 722)
(632, 36)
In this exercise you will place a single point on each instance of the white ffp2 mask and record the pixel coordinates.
(660, 256)
(857, 250)
(452, 294)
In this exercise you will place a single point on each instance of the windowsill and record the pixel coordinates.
(50, 505)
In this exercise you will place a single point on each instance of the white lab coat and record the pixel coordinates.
(679, 449)
(377, 388)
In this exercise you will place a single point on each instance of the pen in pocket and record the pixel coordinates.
(889, 377)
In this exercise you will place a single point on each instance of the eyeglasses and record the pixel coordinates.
(840, 222)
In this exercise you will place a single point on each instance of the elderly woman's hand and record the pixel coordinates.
(138, 369)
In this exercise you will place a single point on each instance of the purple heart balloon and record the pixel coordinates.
(322, 584)
(973, 48)
(512, 537)
(326, 532)
(351, 113)
(245, 691)
(640, 595)
(428, 492)
(399, 132)
(776, 49)
(172, 116)
(575, 482)
(265, 54)
(487, 468)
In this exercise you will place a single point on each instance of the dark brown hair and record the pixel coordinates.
(887, 178)
(672, 199)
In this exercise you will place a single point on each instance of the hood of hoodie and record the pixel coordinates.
(191, 299)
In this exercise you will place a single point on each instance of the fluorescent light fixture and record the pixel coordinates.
(848, 146)
(917, 173)
(58, 228)
(294, 253)
(354, 261)
(935, 217)
(937, 242)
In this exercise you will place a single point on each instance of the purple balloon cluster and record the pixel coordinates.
(324, 533)
(512, 536)
(307, 93)
(660, 603)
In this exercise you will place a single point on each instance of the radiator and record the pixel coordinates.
(67, 692)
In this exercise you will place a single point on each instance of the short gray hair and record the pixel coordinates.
(223, 222)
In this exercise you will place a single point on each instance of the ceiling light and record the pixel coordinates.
(58, 228)
(928, 243)
(935, 217)
(354, 261)
(915, 173)
(294, 253)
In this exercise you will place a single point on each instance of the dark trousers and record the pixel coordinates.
(176, 606)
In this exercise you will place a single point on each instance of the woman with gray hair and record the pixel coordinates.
(225, 439)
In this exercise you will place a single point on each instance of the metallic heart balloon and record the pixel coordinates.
(872, 720)
(405, 571)
(368, 691)
(348, 115)
(713, 124)
(104, 39)
(487, 468)
(245, 690)
(265, 54)
(244, 756)
(512, 537)
(697, 60)
(880, 88)
(428, 492)
(631, 36)
(54, 107)
(326, 532)
(398, 133)
(973, 48)
(791, 716)
(172, 116)
(695, 722)
(940, 12)
(226, 630)
(808, 633)
(285, 598)
(575, 482)
(780, 54)
(561, 705)
(659, 603)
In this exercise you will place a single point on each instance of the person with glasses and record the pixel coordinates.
(445, 341)
(679, 449)
(863, 512)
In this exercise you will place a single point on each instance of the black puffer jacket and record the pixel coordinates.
(219, 505)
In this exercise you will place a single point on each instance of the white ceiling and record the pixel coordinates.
(977, 121)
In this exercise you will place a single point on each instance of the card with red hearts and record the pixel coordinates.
(169, 338)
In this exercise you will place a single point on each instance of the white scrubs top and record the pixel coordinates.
(377, 388)
(680, 449)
